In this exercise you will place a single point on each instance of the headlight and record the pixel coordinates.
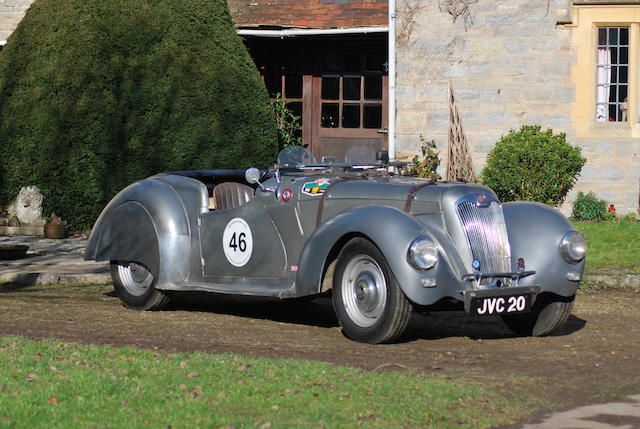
(423, 253)
(573, 247)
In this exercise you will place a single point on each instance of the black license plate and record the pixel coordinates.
(505, 304)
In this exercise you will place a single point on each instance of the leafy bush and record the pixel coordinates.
(95, 95)
(289, 124)
(531, 164)
(427, 166)
(589, 207)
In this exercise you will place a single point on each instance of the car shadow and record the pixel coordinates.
(446, 324)
(310, 312)
(319, 312)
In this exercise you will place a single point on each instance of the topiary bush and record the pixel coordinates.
(95, 95)
(589, 207)
(531, 164)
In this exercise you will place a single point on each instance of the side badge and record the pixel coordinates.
(237, 242)
(315, 188)
(287, 194)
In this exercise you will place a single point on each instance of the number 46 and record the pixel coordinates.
(238, 243)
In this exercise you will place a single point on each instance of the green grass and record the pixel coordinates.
(56, 384)
(611, 246)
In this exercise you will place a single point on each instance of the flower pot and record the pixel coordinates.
(54, 230)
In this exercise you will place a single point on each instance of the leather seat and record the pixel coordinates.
(228, 195)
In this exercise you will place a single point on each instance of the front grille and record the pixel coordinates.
(486, 234)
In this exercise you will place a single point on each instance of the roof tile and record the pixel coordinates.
(309, 13)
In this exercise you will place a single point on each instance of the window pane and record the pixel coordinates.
(293, 86)
(623, 77)
(614, 75)
(373, 87)
(613, 36)
(622, 93)
(602, 36)
(329, 115)
(274, 84)
(373, 115)
(295, 107)
(351, 88)
(350, 115)
(624, 56)
(624, 36)
(330, 87)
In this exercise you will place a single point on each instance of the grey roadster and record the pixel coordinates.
(383, 243)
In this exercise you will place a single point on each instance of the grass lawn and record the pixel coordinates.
(56, 384)
(611, 246)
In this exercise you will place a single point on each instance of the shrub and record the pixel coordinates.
(427, 165)
(289, 124)
(531, 164)
(95, 95)
(589, 207)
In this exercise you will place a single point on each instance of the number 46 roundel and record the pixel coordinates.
(237, 242)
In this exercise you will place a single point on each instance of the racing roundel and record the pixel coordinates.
(287, 194)
(237, 242)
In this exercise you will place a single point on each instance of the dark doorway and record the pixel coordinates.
(338, 85)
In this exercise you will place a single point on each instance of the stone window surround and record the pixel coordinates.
(585, 22)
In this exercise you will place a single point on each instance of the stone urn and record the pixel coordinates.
(54, 228)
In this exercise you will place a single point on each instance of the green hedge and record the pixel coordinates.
(531, 164)
(95, 95)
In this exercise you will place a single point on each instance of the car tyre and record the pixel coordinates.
(135, 286)
(549, 313)
(369, 304)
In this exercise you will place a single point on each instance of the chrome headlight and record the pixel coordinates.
(423, 253)
(573, 247)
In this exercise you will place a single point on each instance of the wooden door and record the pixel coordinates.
(349, 100)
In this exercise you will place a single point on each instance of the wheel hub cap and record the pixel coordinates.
(364, 290)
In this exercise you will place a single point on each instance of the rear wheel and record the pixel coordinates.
(135, 286)
(549, 313)
(367, 299)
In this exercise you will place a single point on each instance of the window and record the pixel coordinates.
(352, 90)
(612, 80)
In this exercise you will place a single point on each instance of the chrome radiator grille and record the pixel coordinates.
(486, 234)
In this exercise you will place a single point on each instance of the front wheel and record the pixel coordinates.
(367, 299)
(548, 315)
(135, 286)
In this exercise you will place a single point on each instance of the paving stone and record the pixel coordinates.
(50, 262)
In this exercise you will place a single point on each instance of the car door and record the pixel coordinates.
(242, 244)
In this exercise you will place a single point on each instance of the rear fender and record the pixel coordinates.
(147, 223)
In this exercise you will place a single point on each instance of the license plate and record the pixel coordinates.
(506, 304)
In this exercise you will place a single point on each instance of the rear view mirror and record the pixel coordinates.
(252, 176)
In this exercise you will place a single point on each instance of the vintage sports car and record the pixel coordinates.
(383, 243)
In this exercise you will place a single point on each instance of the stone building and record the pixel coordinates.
(572, 66)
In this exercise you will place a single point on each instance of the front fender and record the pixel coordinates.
(535, 231)
(390, 229)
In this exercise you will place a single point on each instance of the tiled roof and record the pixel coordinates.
(309, 13)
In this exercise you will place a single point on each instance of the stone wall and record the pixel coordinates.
(510, 66)
(11, 12)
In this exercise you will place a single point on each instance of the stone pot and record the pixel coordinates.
(54, 230)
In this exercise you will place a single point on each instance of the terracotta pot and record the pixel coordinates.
(54, 230)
